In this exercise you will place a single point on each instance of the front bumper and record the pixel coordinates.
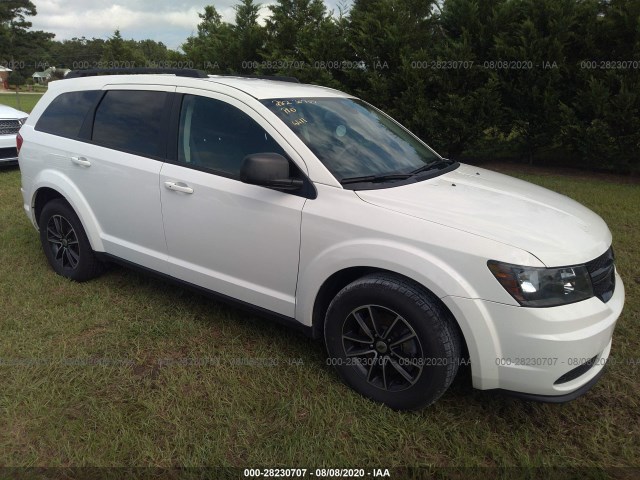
(538, 352)
(8, 159)
(567, 397)
(8, 151)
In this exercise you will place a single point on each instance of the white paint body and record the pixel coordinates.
(276, 250)
(9, 116)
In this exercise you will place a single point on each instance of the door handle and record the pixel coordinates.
(81, 161)
(178, 187)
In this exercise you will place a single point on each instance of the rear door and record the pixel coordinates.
(117, 169)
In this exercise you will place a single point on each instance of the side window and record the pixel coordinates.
(217, 136)
(131, 121)
(66, 113)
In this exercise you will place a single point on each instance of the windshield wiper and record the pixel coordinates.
(437, 165)
(376, 178)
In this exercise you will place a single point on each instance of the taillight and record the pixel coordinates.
(19, 142)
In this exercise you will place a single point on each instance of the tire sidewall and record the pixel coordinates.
(433, 379)
(61, 208)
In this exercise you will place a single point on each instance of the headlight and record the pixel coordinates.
(543, 287)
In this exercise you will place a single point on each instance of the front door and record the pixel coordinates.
(239, 240)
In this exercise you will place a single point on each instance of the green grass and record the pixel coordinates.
(23, 101)
(128, 370)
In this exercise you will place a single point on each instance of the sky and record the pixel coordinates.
(166, 21)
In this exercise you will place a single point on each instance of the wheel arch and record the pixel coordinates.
(51, 185)
(43, 196)
(344, 277)
(329, 289)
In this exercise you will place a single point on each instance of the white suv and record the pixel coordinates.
(315, 207)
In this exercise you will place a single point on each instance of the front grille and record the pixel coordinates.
(603, 275)
(9, 127)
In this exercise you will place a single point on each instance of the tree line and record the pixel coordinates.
(555, 81)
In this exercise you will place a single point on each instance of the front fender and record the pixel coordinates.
(450, 263)
(426, 270)
(441, 279)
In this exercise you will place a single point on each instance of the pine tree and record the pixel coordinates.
(292, 26)
(383, 35)
(209, 49)
(296, 31)
(76, 53)
(120, 53)
(20, 47)
(601, 121)
(449, 100)
(249, 36)
(532, 65)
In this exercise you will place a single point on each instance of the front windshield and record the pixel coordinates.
(352, 138)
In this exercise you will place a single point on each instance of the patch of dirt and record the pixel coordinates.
(91, 332)
(147, 371)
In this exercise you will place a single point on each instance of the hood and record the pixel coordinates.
(556, 229)
(9, 113)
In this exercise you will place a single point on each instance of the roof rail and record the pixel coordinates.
(178, 72)
(279, 78)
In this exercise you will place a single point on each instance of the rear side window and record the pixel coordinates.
(131, 121)
(65, 115)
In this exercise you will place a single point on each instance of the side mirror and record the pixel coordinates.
(268, 170)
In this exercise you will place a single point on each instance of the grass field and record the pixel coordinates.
(25, 102)
(128, 370)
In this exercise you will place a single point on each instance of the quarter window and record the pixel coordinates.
(66, 113)
(216, 136)
(131, 121)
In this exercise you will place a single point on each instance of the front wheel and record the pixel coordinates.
(392, 342)
(65, 242)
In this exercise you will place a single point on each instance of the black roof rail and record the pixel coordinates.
(279, 78)
(178, 72)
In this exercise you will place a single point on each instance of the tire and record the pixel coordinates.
(65, 243)
(407, 356)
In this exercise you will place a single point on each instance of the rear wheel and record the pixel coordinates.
(65, 242)
(392, 341)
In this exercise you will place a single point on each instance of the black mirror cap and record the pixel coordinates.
(264, 168)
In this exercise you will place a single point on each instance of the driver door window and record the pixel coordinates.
(216, 136)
